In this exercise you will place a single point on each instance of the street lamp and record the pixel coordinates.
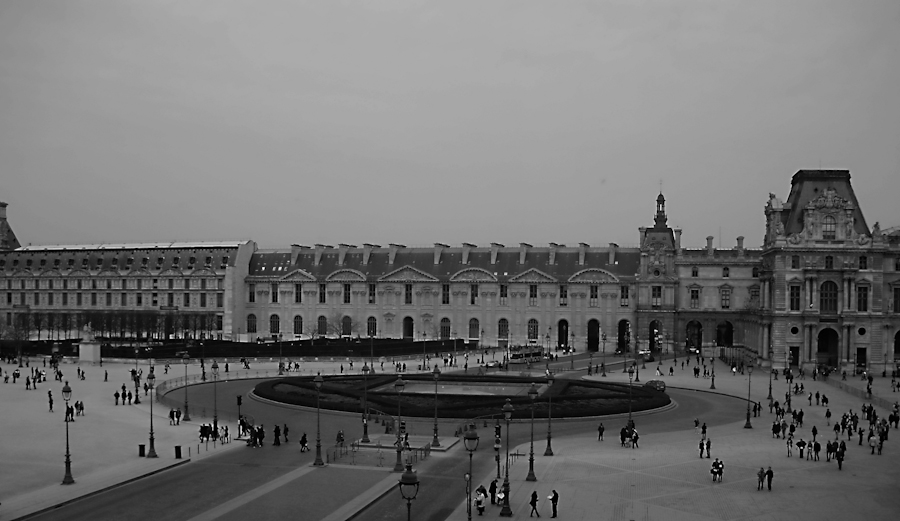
(603, 366)
(572, 349)
(549, 450)
(749, 375)
(137, 379)
(365, 370)
(280, 355)
(547, 337)
(712, 363)
(409, 487)
(497, 447)
(507, 413)
(424, 346)
(151, 381)
(318, 381)
(215, 372)
(471, 442)
(67, 395)
(186, 359)
(399, 385)
(532, 393)
(771, 369)
(630, 376)
(437, 375)
(637, 372)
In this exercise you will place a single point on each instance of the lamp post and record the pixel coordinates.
(424, 345)
(437, 375)
(712, 363)
(409, 487)
(550, 336)
(549, 450)
(137, 379)
(572, 349)
(630, 376)
(637, 372)
(532, 393)
(215, 372)
(365, 421)
(507, 413)
(453, 334)
(603, 363)
(471, 442)
(151, 381)
(318, 381)
(770, 383)
(67, 395)
(497, 447)
(280, 355)
(547, 338)
(399, 385)
(186, 359)
(787, 368)
(749, 375)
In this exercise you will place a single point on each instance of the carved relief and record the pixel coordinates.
(407, 274)
(828, 200)
(593, 275)
(473, 275)
(346, 275)
(533, 276)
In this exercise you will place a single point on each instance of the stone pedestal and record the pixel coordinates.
(89, 352)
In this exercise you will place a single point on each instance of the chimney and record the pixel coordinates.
(553, 249)
(523, 250)
(320, 248)
(342, 252)
(3, 210)
(677, 241)
(392, 253)
(495, 248)
(367, 252)
(613, 247)
(710, 249)
(466, 249)
(438, 248)
(582, 252)
(740, 245)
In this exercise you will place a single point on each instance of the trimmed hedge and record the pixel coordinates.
(571, 398)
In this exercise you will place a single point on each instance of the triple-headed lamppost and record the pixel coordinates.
(151, 381)
(399, 385)
(532, 393)
(471, 442)
(67, 395)
(186, 359)
(550, 378)
(437, 375)
(507, 413)
(318, 381)
(749, 375)
(365, 370)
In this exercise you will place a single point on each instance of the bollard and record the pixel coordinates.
(142, 450)
(177, 451)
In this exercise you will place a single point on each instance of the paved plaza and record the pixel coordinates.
(663, 479)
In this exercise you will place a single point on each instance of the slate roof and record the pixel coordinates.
(806, 185)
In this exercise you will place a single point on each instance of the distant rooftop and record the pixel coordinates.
(135, 246)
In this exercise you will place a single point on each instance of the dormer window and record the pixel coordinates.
(175, 261)
(828, 227)
(84, 262)
(129, 261)
(208, 261)
(99, 263)
(55, 262)
(115, 262)
(192, 261)
(71, 262)
(43, 262)
(2, 263)
(145, 261)
(224, 262)
(15, 262)
(28, 263)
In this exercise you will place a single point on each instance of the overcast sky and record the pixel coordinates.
(420, 122)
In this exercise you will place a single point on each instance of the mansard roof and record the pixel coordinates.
(814, 186)
(506, 267)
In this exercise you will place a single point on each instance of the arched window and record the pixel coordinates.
(445, 328)
(322, 328)
(828, 226)
(371, 326)
(695, 272)
(298, 325)
(474, 328)
(828, 297)
(251, 323)
(726, 272)
(503, 328)
(533, 329)
(274, 324)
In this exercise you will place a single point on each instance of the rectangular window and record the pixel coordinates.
(695, 299)
(49, 299)
(473, 294)
(65, 299)
(563, 295)
(187, 283)
(252, 295)
(897, 301)
(93, 299)
(155, 301)
(218, 322)
(407, 293)
(321, 293)
(187, 300)
(594, 296)
(371, 293)
(140, 283)
(504, 294)
(22, 298)
(445, 294)
(623, 296)
(656, 296)
(795, 297)
(138, 299)
(795, 262)
(863, 262)
(202, 283)
(897, 264)
(109, 284)
(124, 299)
(109, 300)
(220, 283)
(726, 298)
(203, 300)
(9, 298)
(274, 293)
(862, 298)
(78, 299)
(171, 283)
(532, 295)
(220, 300)
(50, 284)
(170, 300)
(346, 293)
(298, 293)
(37, 298)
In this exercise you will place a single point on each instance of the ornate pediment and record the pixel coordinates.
(298, 276)
(346, 275)
(828, 200)
(533, 275)
(407, 274)
(473, 275)
(593, 276)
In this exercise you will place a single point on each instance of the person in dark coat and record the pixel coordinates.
(554, 500)
(493, 490)
(769, 476)
(276, 432)
(534, 503)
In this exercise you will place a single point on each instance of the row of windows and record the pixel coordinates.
(62, 299)
(186, 283)
(594, 294)
(726, 272)
(127, 262)
(828, 297)
(863, 262)
(65, 321)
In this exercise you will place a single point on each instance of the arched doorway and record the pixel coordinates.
(693, 335)
(896, 349)
(827, 347)
(623, 340)
(593, 335)
(724, 334)
(654, 334)
(346, 326)
(562, 334)
(408, 328)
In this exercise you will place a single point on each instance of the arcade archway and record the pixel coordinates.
(654, 335)
(693, 335)
(623, 340)
(827, 347)
(562, 333)
(593, 335)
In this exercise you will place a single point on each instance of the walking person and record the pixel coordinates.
(708, 446)
(493, 490)
(285, 432)
(600, 430)
(554, 501)
(769, 476)
(534, 503)
(761, 477)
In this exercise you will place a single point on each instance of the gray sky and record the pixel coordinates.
(420, 122)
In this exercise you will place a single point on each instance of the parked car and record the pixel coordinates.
(492, 363)
(659, 385)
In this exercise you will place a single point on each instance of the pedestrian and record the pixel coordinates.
(285, 432)
(178, 416)
(554, 502)
(800, 446)
(304, 445)
(761, 477)
(816, 448)
(790, 447)
(827, 416)
(493, 491)
(769, 476)
(479, 501)
(600, 430)
(276, 433)
(117, 397)
(130, 396)
(703, 431)
(708, 446)
(534, 503)
(105, 376)
(701, 449)
(815, 432)
(50, 398)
